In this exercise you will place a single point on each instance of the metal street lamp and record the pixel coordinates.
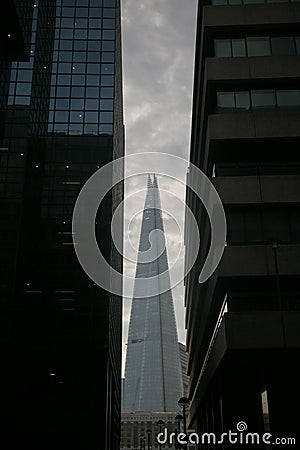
(160, 423)
(183, 403)
(177, 431)
(149, 438)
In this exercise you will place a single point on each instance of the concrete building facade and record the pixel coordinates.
(243, 323)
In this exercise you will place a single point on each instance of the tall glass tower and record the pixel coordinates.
(60, 120)
(153, 377)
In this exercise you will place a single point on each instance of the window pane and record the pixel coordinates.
(258, 46)
(263, 98)
(222, 48)
(283, 45)
(297, 39)
(238, 47)
(225, 99)
(242, 100)
(288, 98)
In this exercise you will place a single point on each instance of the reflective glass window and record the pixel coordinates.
(107, 80)
(109, 23)
(107, 92)
(92, 103)
(225, 99)
(95, 23)
(76, 116)
(63, 79)
(61, 116)
(78, 79)
(82, 12)
(238, 47)
(91, 117)
(108, 57)
(95, 34)
(90, 128)
(79, 45)
(109, 12)
(95, 12)
(93, 80)
(62, 103)
(79, 56)
(108, 34)
(80, 34)
(258, 46)
(288, 97)
(219, 2)
(263, 98)
(106, 105)
(66, 33)
(63, 91)
(297, 41)
(77, 103)
(94, 56)
(94, 46)
(223, 48)
(23, 89)
(81, 23)
(106, 117)
(92, 92)
(107, 68)
(78, 91)
(93, 68)
(65, 56)
(108, 45)
(242, 99)
(283, 45)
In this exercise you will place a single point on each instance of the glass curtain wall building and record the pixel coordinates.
(153, 377)
(61, 120)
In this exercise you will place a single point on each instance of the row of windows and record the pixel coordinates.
(78, 12)
(78, 129)
(90, 68)
(85, 2)
(82, 33)
(263, 226)
(80, 105)
(257, 46)
(80, 117)
(249, 2)
(259, 98)
(81, 43)
(91, 22)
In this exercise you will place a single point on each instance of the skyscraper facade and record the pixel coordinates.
(61, 120)
(243, 323)
(153, 378)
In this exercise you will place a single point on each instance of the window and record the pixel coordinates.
(288, 98)
(242, 100)
(258, 46)
(226, 99)
(238, 47)
(263, 98)
(222, 48)
(283, 45)
(259, 98)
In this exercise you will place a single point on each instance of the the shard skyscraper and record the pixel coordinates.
(153, 378)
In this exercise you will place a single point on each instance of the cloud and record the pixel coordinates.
(158, 58)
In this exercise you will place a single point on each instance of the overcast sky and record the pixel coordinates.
(158, 59)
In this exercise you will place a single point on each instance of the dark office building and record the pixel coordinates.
(243, 323)
(61, 120)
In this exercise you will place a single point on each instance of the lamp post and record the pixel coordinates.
(160, 423)
(177, 431)
(149, 438)
(183, 403)
(142, 439)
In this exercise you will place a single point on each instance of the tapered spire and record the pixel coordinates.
(153, 378)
